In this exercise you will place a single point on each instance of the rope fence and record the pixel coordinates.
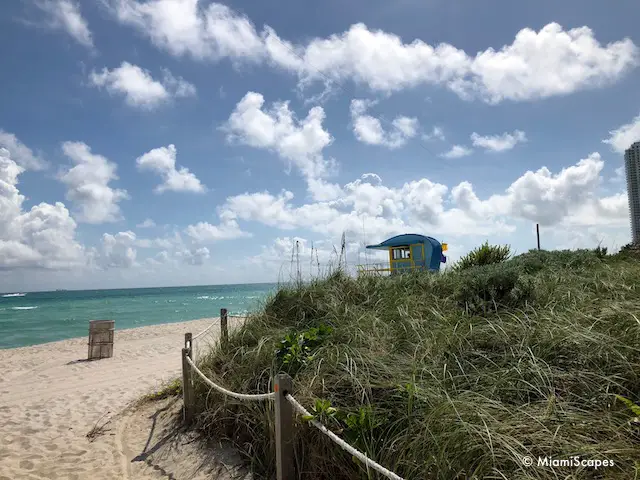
(239, 396)
(209, 337)
(341, 443)
(286, 406)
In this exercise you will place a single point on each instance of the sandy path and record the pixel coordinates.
(49, 400)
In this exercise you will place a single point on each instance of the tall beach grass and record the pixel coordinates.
(445, 376)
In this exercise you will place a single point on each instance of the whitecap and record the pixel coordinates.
(23, 308)
(8, 295)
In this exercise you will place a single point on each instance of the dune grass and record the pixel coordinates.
(448, 376)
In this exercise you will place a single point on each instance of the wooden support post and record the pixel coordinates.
(538, 234)
(285, 462)
(224, 332)
(187, 383)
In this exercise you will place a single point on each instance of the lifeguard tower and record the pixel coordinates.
(408, 252)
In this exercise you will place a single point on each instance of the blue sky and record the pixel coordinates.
(176, 142)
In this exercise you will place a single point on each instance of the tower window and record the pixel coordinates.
(402, 253)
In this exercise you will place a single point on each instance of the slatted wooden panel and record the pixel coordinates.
(101, 338)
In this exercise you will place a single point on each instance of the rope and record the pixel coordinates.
(240, 396)
(204, 331)
(194, 344)
(341, 443)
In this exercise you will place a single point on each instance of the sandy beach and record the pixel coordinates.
(51, 398)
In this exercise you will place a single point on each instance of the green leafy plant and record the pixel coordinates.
(635, 409)
(360, 424)
(484, 255)
(296, 349)
(322, 411)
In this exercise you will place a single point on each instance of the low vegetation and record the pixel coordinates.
(171, 389)
(448, 376)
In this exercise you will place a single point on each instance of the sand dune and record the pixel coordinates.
(50, 398)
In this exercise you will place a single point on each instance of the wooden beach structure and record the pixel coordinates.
(408, 252)
(101, 339)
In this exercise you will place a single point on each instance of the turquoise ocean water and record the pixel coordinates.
(40, 317)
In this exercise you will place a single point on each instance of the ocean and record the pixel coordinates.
(40, 317)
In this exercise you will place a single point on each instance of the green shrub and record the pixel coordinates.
(484, 255)
(532, 262)
(491, 287)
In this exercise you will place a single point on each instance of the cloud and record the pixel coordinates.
(118, 250)
(163, 161)
(498, 143)
(171, 242)
(537, 64)
(298, 142)
(204, 233)
(65, 15)
(569, 198)
(88, 185)
(196, 256)
(548, 199)
(20, 153)
(43, 237)
(139, 88)
(623, 137)
(436, 134)
(368, 129)
(457, 151)
(148, 223)
(184, 27)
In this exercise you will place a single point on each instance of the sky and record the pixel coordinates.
(150, 143)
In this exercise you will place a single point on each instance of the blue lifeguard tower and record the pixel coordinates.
(409, 252)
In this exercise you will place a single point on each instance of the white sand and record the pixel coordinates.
(50, 398)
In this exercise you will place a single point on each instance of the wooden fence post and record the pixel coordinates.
(224, 332)
(187, 384)
(285, 463)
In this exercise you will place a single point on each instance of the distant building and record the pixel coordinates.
(632, 168)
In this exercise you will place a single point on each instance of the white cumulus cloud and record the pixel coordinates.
(536, 64)
(42, 237)
(204, 232)
(20, 153)
(139, 88)
(163, 161)
(196, 256)
(624, 136)
(498, 143)
(568, 197)
(457, 151)
(88, 185)
(118, 250)
(299, 142)
(369, 129)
